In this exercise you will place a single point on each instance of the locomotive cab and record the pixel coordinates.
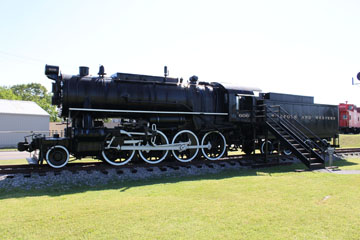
(242, 101)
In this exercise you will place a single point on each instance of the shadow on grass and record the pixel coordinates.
(124, 185)
(340, 162)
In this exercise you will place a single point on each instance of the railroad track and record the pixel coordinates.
(253, 161)
(347, 150)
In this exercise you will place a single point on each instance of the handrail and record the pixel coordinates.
(294, 128)
(304, 127)
(295, 132)
(281, 125)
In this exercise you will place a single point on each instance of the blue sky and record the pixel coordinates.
(298, 47)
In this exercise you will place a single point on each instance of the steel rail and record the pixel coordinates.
(347, 150)
(252, 161)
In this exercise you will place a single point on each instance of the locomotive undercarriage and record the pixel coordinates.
(118, 146)
(138, 139)
(184, 147)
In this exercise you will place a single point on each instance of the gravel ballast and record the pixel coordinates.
(67, 179)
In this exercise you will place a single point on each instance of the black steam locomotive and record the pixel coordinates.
(162, 116)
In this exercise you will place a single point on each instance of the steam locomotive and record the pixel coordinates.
(167, 118)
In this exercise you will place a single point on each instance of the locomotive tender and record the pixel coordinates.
(162, 116)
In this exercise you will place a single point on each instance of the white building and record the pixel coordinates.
(18, 119)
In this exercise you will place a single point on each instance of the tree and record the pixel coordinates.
(6, 93)
(31, 92)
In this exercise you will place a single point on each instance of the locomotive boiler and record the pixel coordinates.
(167, 118)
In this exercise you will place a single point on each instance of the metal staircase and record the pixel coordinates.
(293, 135)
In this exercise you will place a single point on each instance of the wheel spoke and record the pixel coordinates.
(218, 145)
(183, 137)
(155, 156)
(114, 156)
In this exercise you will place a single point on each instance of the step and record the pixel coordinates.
(313, 159)
(317, 165)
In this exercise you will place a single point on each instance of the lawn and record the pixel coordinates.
(350, 140)
(272, 203)
(349, 164)
(13, 162)
(7, 149)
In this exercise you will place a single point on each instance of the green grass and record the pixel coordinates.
(7, 149)
(349, 140)
(273, 203)
(348, 164)
(13, 162)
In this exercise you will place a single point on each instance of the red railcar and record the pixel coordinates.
(349, 118)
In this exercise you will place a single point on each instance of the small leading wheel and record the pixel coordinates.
(186, 139)
(155, 156)
(57, 156)
(112, 152)
(270, 147)
(218, 145)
